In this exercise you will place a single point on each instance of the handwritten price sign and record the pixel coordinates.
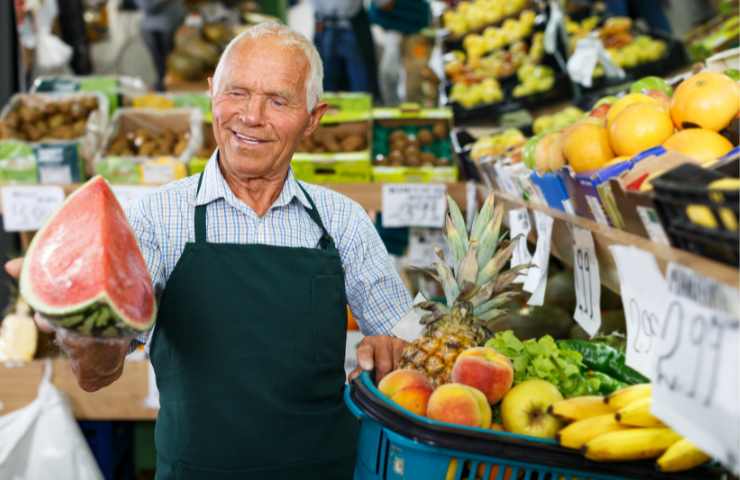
(520, 225)
(696, 386)
(587, 281)
(414, 205)
(26, 208)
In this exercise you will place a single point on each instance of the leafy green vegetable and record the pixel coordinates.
(542, 358)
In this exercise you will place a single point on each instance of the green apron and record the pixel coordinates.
(248, 352)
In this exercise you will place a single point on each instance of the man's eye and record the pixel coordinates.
(236, 93)
(278, 102)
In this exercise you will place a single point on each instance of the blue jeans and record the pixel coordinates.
(650, 10)
(344, 65)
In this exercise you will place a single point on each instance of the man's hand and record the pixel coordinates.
(95, 362)
(381, 353)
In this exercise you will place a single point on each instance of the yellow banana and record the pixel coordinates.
(624, 396)
(578, 408)
(577, 434)
(637, 414)
(682, 455)
(630, 444)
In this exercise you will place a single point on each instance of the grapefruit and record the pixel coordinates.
(586, 147)
(639, 127)
(626, 101)
(84, 270)
(704, 146)
(708, 100)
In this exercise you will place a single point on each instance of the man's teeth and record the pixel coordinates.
(245, 138)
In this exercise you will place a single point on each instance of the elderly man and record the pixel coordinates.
(256, 270)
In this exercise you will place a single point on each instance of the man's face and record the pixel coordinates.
(259, 108)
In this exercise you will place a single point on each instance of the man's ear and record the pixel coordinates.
(210, 86)
(314, 118)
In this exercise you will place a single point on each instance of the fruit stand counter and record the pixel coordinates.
(562, 246)
(123, 400)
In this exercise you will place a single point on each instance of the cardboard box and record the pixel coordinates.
(53, 158)
(552, 188)
(119, 90)
(149, 170)
(321, 166)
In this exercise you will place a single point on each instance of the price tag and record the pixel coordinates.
(697, 372)
(127, 195)
(471, 202)
(541, 257)
(414, 205)
(654, 229)
(519, 224)
(595, 205)
(26, 208)
(643, 291)
(587, 281)
(422, 242)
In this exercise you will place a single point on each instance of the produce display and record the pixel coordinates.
(334, 139)
(197, 50)
(471, 16)
(145, 143)
(98, 284)
(35, 119)
(18, 335)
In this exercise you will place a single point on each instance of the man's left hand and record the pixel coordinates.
(381, 353)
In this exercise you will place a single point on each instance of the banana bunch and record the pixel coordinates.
(620, 427)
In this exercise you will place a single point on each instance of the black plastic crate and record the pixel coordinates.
(687, 186)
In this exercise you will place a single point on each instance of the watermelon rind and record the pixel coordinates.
(97, 316)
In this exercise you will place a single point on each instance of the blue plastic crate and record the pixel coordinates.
(395, 444)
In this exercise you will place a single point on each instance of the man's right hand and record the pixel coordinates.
(96, 362)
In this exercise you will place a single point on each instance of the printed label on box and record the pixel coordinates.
(654, 229)
(596, 209)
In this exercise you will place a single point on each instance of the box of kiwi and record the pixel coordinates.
(167, 100)
(198, 162)
(150, 146)
(51, 138)
(119, 90)
(413, 145)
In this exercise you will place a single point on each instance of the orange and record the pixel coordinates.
(708, 100)
(626, 101)
(704, 146)
(639, 127)
(586, 147)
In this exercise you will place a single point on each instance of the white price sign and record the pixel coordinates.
(26, 208)
(541, 257)
(697, 368)
(520, 225)
(587, 281)
(414, 205)
(643, 291)
(130, 194)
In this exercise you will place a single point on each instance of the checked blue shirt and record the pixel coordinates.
(163, 224)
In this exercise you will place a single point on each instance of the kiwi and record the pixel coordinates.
(440, 130)
(395, 158)
(56, 120)
(413, 160)
(427, 159)
(381, 160)
(147, 148)
(411, 151)
(353, 143)
(398, 135)
(425, 137)
(442, 162)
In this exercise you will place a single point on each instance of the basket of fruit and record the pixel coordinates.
(467, 403)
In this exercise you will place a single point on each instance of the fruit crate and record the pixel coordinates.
(696, 217)
(396, 444)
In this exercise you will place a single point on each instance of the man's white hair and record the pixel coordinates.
(287, 37)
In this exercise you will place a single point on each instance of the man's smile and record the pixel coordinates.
(250, 140)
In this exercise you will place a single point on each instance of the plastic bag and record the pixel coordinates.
(51, 52)
(43, 440)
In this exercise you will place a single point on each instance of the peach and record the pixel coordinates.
(403, 378)
(414, 398)
(460, 404)
(485, 369)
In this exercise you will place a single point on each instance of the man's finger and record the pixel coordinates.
(43, 324)
(365, 356)
(398, 346)
(383, 357)
(13, 267)
(354, 373)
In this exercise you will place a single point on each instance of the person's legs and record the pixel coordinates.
(325, 40)
(653, 14)
(349, 51)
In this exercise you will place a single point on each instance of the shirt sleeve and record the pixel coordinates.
(145, 233)
(375, 293)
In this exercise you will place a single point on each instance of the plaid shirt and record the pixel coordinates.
(163, 224)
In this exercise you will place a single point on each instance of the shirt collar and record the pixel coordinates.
(214, 187)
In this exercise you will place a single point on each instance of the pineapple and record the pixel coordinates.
(476, 292)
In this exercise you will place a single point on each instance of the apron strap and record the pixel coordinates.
(326, 242)
(200, 216)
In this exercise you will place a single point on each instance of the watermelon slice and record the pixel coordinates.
(84, 269)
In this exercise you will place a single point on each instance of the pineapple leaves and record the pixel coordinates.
(494, 303)
(447, 279)
(430, 272)
(494, 266)
(482, 219)
(490, 240)
(467, 272)
(492, 314)
(457, 220)
(504, 280)
(454, 241)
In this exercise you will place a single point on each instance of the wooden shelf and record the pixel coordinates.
(562, 246)
(122, 400)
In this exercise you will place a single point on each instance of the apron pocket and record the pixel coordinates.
(329, 319)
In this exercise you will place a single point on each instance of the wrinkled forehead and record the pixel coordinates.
(264, 57)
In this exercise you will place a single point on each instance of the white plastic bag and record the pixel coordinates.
(43, 440)
(51, 52)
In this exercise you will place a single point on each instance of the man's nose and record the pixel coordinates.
(253, 110)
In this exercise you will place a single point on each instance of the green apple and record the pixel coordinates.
(524, 409)
(651, 83)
